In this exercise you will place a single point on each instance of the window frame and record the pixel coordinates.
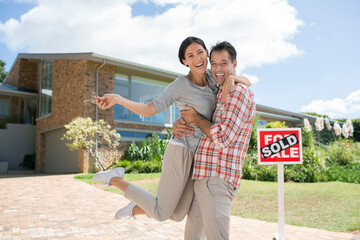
(9, 107)
(47, 112)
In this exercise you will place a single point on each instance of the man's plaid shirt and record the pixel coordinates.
(223, 155)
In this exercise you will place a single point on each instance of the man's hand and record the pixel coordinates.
(180, 129)
(230, 83)
(190, 115)
(227, 86)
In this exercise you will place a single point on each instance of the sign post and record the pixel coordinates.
(280, 146)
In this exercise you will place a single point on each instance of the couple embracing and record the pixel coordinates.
(202, 165)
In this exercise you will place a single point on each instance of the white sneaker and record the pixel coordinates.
(105, 176)
(126, 211)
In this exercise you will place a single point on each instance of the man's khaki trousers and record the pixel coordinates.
(209, 214)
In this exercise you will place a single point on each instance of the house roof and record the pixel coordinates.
(284, 115)
(91, 56)
(9, 90)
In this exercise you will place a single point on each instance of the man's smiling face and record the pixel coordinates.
(221, 66)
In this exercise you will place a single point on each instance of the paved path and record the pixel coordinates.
(59, 207)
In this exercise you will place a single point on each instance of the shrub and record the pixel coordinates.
(253, 171)
(28, 161)
(308, 138)
(343, 152)
(349, 173)
(253, 138)
(312, 170)
(151, 149)
(276, 124)
(133, 153)
(356, 124)
(140, 166)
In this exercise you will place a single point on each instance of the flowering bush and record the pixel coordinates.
(82, 132)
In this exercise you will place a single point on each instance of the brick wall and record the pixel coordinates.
(13, 77)
(28, 74)
(14, 109)
(106, 85)
(67, 102)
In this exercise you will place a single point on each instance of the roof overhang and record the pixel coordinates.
(90, 56)
(8, 90)
(284, 115)
(278, 116)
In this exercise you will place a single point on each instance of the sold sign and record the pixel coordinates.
(279, 145)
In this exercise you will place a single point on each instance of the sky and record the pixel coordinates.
(300, 55)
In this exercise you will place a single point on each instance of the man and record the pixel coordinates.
(221, 151)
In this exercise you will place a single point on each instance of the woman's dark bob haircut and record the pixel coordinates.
(186, 43)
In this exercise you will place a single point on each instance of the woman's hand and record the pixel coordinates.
(106, 101)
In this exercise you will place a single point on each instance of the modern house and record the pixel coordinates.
(43, 92)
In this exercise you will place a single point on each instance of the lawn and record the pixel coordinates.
(332, 206)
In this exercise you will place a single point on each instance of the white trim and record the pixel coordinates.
(135, 139)
(167, 125)
(42, 117)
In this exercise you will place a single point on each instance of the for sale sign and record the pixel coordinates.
(279, 145)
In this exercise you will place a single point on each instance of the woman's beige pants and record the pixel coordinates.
(175, 190)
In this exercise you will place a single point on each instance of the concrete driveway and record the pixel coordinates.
(60, 207)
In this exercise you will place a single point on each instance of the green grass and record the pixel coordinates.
(332, 206)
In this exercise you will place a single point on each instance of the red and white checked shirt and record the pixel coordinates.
(223, 155)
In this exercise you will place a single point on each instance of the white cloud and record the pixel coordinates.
(253, 79)
(260, 29)
(337, 107)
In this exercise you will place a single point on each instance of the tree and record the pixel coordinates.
(3, 73)
(81, 132)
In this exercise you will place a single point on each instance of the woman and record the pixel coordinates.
(175, 189)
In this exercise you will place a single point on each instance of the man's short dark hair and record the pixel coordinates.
(224, 46)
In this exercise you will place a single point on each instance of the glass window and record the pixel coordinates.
(46, 87)
(142, 90)
(142, 135)
(4, 107)
(262, 123)
(126, 134)
(122, 88)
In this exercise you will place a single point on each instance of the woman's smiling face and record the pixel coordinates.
(196, 58)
